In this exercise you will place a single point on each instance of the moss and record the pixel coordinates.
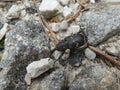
(2, 42)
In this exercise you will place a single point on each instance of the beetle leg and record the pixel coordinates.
(51, 52)
(59, 57)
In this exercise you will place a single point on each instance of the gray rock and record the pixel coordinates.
(100, 23)
(23, 44)
(95, 77)
(14, 11)
(111, 1)
(55, 27)
(67, 12)
(53, 81)
(73, 29)
(112, 46)
(90, 54)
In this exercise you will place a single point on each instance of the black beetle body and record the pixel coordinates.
(71, 42)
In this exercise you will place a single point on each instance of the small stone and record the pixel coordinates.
(37, 68)
(90, 54)
(61, 35)
(74, 6)
(4, 30)
(74, 29)
(63, 25)
(55, 27)
(59, 26)
(92, 1)
(50, 8)
(67, 12)
(14, 11)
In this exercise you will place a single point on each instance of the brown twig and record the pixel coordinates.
(109, 58)
(46, 25)
(49, 28)
(76, 14)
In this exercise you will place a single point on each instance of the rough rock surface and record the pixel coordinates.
(26, 43)
(95, 77)
(23, 44)
(53, 81)
(100, 23)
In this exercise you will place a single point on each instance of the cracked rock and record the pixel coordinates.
(23, 44)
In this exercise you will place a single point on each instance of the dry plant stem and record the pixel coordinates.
(46, 25)
(50, 30)
(76, 14)
(109, 58)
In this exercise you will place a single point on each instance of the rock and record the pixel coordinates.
(14, 11)
(100, 23)
(112, 46)
(74, 29)
(2, 16)
(31, 10)
(55, 27)
(95, 77)
(63, 25)
(4, 30)
(36, 68)
(90, 54)
(75, 6)
(54, 81)
(50, 8)
(25, 43)
(92, 1)
(67, 12)
(111, 1)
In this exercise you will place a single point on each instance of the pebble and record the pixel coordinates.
(74, 29)
(50, 8)
(37, 68)
(90, 54)
(92, 1)
(63, 25)
(55, 27)
(4, 30)
(67, 12)
(14, 11)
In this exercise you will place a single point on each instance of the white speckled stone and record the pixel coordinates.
(55, 27)
(50, 8)
(90, 54)
(14, 11)
(37, 68)
(63, 25)
(67, 12)
(74, 28)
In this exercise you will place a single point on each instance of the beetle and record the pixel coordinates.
(77, 41)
